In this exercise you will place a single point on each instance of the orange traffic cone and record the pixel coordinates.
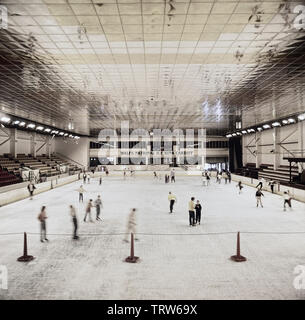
(238, 257)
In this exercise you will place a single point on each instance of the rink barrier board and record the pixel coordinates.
(298, 194)
(23, 193)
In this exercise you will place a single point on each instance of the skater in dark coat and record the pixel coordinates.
(198, 209)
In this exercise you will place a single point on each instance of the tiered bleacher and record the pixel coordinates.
(281, 174)
(10, 165)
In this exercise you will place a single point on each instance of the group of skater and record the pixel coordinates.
(168, 177)
(287, 197)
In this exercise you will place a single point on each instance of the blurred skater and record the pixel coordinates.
(74, 221)
(240, 187)
(81, 191)
(31, 188)
(131, 225)
(88, 211)
(43, 228)
(84, 177)
(172, 199)
(272, 184)
(100, 181)
(172, 175)
(98, 205)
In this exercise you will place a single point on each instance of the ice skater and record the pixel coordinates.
(155, 175)
(192, 212)
(272, 184)
(31, 188)
(240, 187)
(198, 209)
(258, 196)
(124, 174)
(131, 224)
(84, 177)
(81, 191)
(287, 200)
(172, 199)
(74, 221)
(100, 181)
(43, 228)
(88, 178)
(98, 205)
(88, 211)
(172, 175)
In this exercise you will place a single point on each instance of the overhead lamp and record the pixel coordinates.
(61, 133)
(39, 128)
(285, 121)
(16, 122)
(259, 129)
(244, 132)
(234, 134)
(71, 136)
(65, 134)
(76, 137)
(47, 130)
(301, 116)
(276, 124)
(228, 135)
(5, 119)
(291, 120)
(22, 124)
(238, 133)
(266, 126)
(31, 126)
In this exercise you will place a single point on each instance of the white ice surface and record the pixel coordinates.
(190, 266)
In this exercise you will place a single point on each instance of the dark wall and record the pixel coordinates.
(235, 154)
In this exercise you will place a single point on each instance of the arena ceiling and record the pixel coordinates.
(90, 64)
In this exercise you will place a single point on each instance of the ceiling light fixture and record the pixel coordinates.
(39, 128)
(301, 116)
(276, 124)
(266, 126)
(5, 119)
(31, 126)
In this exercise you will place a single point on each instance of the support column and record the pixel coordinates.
(13, 143)
(33, 144)
(147, 156)
(258, 148)
(301, 144)
(276, 148)
(48, 146)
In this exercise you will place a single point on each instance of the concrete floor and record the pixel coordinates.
(184, 265)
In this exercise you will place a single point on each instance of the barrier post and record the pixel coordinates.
(132, 258)
(238, 257)
(25, 257)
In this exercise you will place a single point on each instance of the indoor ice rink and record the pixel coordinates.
(152, 150)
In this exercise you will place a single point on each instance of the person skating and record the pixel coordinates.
(258, 196)
(88, 211)
(100, 181)
(81, 191)
(124, 174)
(84, 177)
(192, 212)
(43, 228)
(208, 178)
(287, 199)
(172, 175)
(172, 199)
(131, 225)
(88, 178)
(272, 184)
(74, 221)
(198, 209)
(240, 187)
(155, 175)
(98, 205)
(31, 188)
